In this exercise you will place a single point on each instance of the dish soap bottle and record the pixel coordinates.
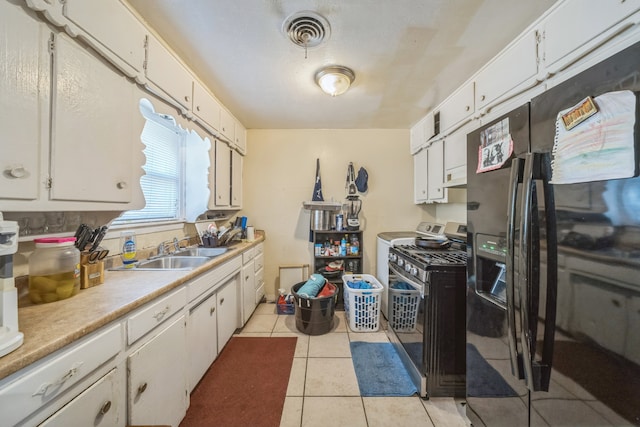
(128, 245)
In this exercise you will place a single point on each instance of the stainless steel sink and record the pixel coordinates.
(168, 263)
(196, 252)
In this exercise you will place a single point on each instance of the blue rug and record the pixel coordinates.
(380, 371)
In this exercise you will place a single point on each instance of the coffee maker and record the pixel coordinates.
(10, 337)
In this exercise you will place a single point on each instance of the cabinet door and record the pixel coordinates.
(417, 136)
(458, 108)
(512, 71)
(21, 39)
(248, 290)
(202, 338)
(420, 176)
(435, 172)
(240, 137)
(222, 176)
(100, 405)
(455, 159)
(168, 73)
(576, 27)
(227, 310)
(92, 142)
(227, 125)
(236, 179)
(100, 18)
(205, 106)
(157, 383)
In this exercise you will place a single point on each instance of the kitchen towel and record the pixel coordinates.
(312, 286)
(380, 371)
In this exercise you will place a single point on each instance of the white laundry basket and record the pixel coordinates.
(362, 306)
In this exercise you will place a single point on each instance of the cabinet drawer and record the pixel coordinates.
(259, 278)
(248, 255)
(208, 280)
(258, 262)
(47, 382)
(151, 316)
(259, 249)
(259, 293)
(102, 404)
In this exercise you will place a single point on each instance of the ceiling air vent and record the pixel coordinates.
(306, 29)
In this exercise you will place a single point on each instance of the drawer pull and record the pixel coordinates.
(159, 315)
(211, 311)
(142, 387)
(221, 301)
(105, 408)
(44, 388)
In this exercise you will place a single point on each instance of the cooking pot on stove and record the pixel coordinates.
(433, 242)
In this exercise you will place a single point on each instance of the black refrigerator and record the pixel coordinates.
(553, 275)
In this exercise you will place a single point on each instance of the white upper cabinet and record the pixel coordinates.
(168, 73)
(435, 172)
(93, 141)
(22, 55)
(112, 25)
(576, 27)
(221, 184)
(420, 165)
(458, 108)
(236, 179)
(205, 106)
(417, 136)
(240, 137)
(455, 159)
(513, 70)
(227, 125)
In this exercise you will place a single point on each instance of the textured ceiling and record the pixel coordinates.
(408, 55)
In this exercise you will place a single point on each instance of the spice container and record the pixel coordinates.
(54, 270)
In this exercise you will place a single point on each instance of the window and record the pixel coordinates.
(162, 182)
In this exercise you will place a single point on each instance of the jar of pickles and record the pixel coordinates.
(54, 270)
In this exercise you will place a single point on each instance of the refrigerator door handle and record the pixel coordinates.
(517, 368)
(524, 255)
(537, 373)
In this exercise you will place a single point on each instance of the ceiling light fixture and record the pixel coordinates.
(335, 80)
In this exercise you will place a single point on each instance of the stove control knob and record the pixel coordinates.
(414, 271)
(407, 267)
(393, 257)
(400, 262)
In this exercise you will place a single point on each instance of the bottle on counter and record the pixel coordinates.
(343, 246)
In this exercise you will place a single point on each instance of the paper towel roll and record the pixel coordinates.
(251, 233)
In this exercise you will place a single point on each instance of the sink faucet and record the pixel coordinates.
(176, 244)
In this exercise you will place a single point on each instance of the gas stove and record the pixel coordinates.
(414, 262)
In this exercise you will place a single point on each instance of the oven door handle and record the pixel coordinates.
(409, 280)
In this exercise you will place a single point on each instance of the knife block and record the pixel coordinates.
(91, 273)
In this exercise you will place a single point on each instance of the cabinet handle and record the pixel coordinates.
(211, 311)
(467, 108)
(197, 108)
(44, 388)
(142, 387)
(187, 98)
(121, 185)
(221, 301)
(482, 98)
(246, 279)
(105, 408)
(17, 172)
(160, 314)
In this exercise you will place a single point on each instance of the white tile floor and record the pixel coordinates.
(323, 389)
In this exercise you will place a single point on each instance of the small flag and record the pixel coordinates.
(317, 188)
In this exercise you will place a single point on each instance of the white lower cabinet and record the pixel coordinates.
(248, 290)
(202, 338)
(157, 383)
(100, 405)
(228, 309)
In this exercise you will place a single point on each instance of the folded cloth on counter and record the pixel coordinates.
(312, 286)
(360, 284)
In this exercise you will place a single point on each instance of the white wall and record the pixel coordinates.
(279, 173)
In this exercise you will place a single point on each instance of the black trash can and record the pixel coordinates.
(314, 316)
